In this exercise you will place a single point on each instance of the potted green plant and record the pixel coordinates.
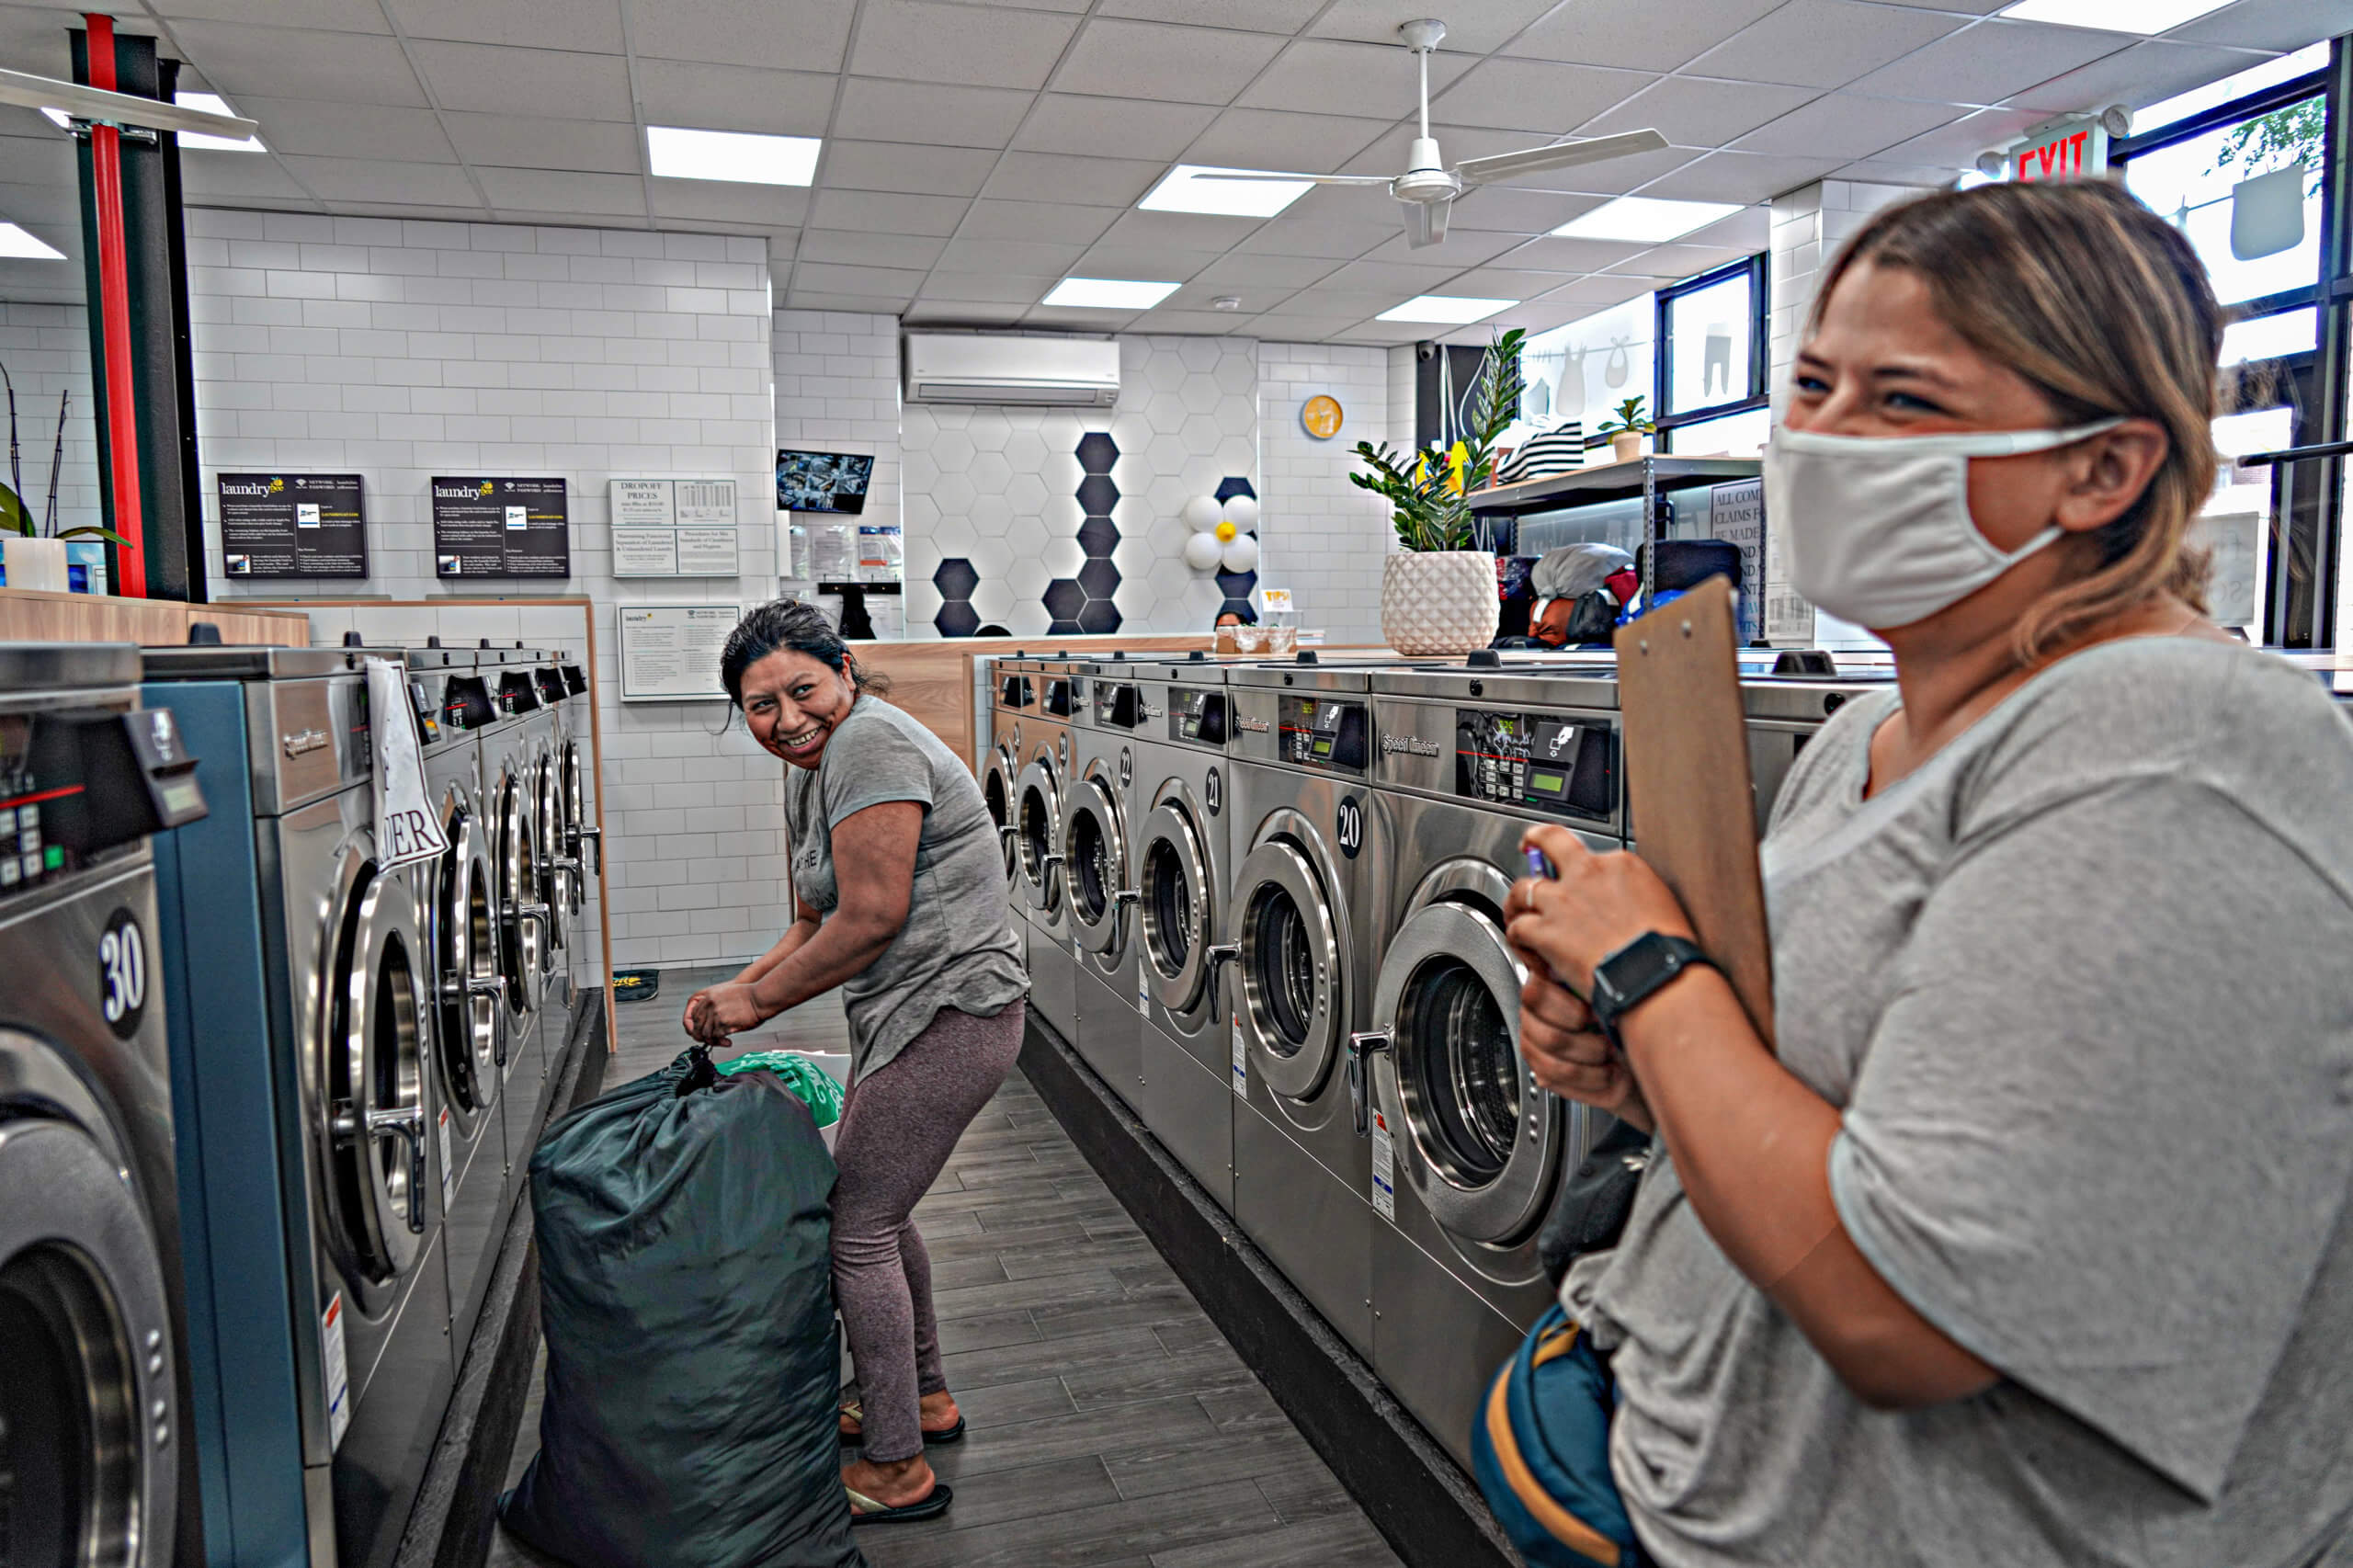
(1438, 595)
(33, 555)
(1626, 429)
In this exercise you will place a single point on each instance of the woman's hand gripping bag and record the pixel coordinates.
(686, 1287)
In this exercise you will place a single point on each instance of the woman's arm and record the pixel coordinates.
(804, 926)
(1750, 1141)
(874, 871)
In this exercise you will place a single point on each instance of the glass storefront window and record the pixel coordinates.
(1738, 434)
(2271, 73)
(2270, 337)
(2209, 187)
(1587, 369)
(1707, 360)
(2235, 523)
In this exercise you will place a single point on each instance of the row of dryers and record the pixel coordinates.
(1262, 902)
(322, 1079)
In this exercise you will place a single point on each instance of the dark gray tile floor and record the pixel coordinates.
(1112, 1425)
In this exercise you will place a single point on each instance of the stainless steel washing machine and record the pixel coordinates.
(581, 843)
(1013, 697)
(301, 1012)
(1097, 837)
(1184, 951)
(511, 805)
(1467, 1150)
(1038, 808)
(1303, 838)
(559, 869)
(1784, 714)
(96, 1385)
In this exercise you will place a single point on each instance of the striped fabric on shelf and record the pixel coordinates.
(1548, 452)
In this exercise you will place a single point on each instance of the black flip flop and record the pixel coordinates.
(865, 1510)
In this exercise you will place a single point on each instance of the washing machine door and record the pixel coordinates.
(370, 1068)
(523, 914)
(1293, 977)
(1001, 789)
(88, 1460)
(1177, 907)
(1480, 1143)
(464, 984)
(556, 870)
(1095, 871)
(1038, 816)
(578, 833)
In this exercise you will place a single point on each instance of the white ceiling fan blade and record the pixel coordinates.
(1306, 179)
(1534, 160)
(1425, 222)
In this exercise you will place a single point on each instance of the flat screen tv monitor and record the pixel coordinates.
(822, 481)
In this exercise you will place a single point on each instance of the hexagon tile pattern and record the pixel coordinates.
(1237, 586)
(1082, 604)
(955, 581)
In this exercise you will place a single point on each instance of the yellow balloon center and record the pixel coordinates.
(1225, 532)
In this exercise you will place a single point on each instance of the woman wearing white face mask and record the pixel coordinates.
(2032, 1244)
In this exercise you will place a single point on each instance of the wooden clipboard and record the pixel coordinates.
(1690, 802)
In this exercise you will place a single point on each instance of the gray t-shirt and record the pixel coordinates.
(957, 949)
(2083, 986)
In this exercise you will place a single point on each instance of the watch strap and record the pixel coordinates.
(1630, 976)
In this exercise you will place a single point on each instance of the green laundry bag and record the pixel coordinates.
(684, 1225)
(808, 1081)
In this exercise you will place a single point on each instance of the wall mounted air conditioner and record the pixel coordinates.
(992, 368)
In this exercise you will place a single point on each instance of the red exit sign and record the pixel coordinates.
(2075, 150)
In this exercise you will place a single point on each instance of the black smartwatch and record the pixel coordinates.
(1624, 980)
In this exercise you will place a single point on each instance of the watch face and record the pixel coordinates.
(1633, 971)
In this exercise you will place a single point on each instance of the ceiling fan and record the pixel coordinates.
(1427, 188)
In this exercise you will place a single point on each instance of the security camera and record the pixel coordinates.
(1425, 352)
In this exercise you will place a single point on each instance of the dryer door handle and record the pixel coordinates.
(1126, 895)
(407, 1124)
(1219, 955)
(587, 836)
(1362, 1044)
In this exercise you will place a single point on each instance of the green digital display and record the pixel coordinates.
(1550, 783)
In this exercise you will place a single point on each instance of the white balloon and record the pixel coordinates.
(1242, 555)
(1202, 551)
(1201, 514)
(1242, 511)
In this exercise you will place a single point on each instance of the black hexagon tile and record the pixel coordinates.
(1098, 537)
(955, 579)
(1097, 453)
(1097, 495)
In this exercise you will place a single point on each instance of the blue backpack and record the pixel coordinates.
(1541, 1452)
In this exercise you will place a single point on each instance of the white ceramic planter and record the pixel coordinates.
(37, 563)
(1438, 602)
(1626, 446)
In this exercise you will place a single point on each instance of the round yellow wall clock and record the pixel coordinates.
(1320, 416)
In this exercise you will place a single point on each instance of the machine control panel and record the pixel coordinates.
(78, 782)
(1118, 705)
(1197, 717)
(465, 704)
(518, 693)
(1013, 691)
(1563, 767)
(1323, 733)
(1059, 697)
(550, 682)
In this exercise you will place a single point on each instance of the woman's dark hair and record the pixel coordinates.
(782, 624)
(1242, 613)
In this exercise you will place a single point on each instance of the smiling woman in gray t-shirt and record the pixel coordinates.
(2031, 1246)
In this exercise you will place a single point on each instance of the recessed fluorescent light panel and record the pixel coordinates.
(1109, 293)
(210, 103)
(2147, 18)
(19, 246)
(1184, 191)
(1453, 309)
(1644, 219)
(743, 157)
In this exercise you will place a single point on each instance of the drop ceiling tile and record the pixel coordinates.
(1471, 29)
(883, 212)
(869, 250)
(1987, 61)
(1195, 324)
(1824, 43)
(958, 44)
(1052, 223)
(988, 287)
(1270, 139)
(1633, 34)
(35, 40)
(1346, 204)
(1506, 283)
(1460, 248)
(1693, 111)
(788, 35)
(1676, 261)
(494, 79)
(1539, 96)
(229, 176)
(1748, 231)
(838, 278)
(529, 142)
(1967, 7)
(261, 61)
(1403, 278)
(1112, 128)
(1148, 60)
(1334, 300)
(1332, 76)
(1338, 239)
(1013, 258)
(961, 312)
(1602, 289)
(1614, 177)
(338, 180)
(711, 201)
(903, 166)
(1240, 274)
(933, 113)
(2281, 25)
(1955, 146)
(591, 25)
(855, 304)
(1517, 214)
(1156, 263)
(1876, 171)
(1387, 153)
(1178, 230)
(734, 97)
(1284, 16)
(555, 191)
(2143, 75)
(331, 16)
(1308, 327)
(1580, 256)
(1058, 176)
(1742, 177)
(1840, 125)
(349, 129)
(421, 209)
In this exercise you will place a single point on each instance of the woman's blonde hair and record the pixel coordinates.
(2105, 309)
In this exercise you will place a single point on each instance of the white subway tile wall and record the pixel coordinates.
(401, 349)
(1329, 535)
(838, 391)
(1808, 226)
(46, 348)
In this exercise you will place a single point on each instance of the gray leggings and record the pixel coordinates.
(898, 1127)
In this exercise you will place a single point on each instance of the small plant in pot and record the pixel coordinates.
(34, 553)
(1438, 595)
(1626, 429)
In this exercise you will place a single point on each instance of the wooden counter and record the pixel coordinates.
(933, 679)
(27, 616)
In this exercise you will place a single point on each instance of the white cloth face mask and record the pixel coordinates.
(1879, 527)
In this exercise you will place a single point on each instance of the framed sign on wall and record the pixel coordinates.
(501, 528)
(292, 525)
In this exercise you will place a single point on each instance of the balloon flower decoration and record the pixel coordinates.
(1222, 539)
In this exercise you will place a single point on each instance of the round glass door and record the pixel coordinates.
(372, 1072)
(1095, 862)
(1038, 819)
(522, 923)
(1292, 971)
(1479, 1142)
(998, 788)
(463, 936)
(1175, 907)
(574, 789)
(554, 879)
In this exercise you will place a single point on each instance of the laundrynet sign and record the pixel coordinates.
(501, 528)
